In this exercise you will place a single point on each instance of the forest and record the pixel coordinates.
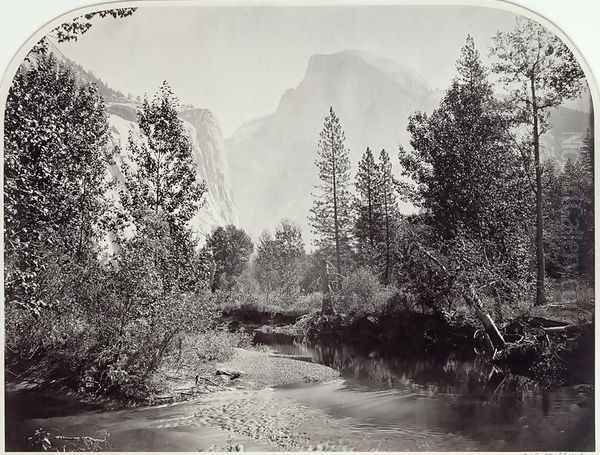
(106, 284)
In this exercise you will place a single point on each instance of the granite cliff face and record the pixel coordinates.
(208, 149)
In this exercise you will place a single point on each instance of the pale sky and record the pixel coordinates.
(237, 61)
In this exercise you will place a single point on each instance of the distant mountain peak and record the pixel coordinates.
(400, 73)
(272, 159)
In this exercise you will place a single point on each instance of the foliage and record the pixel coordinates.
(55, 133)
(568, 218)
(213, 345)
(466, 175)
(277, 263)
(390, 214)
(367, 208)
(230, 248)
(71, 31)
(111, 323)
(540, 72)
(376, 212)
(530, 53)
(161, 175)
(331, 211)
(362, 293)
(311, 271)
(113, 339)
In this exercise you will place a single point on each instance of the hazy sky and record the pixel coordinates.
(238, 61)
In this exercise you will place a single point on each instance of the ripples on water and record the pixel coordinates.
(380, 402)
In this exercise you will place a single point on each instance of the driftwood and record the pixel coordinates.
(491, 329)
(474, 302)
(522, 353)
(231, 373)
(79, 438)
(198, 377)
(564, 328)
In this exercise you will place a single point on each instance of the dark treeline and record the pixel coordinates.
(105, 282)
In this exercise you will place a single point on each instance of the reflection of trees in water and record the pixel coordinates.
(471, 397)
(454, 395)
(475, 379)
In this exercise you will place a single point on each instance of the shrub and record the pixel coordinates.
(212, 345)
(308, 303)
(362, 293)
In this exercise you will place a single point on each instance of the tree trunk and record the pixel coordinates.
(82, 209)
(327, 304)
(386, 278)
(335, 212)
(539, 232)
(491, 329)
(370, 205)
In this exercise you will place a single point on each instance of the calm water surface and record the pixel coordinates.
(381, 403)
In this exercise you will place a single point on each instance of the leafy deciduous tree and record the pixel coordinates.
(231, 248)
(54, 174)
(278, 259)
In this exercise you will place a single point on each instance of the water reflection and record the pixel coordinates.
(381, 402)
(448, 395)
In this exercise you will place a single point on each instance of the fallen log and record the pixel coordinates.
(557, 329)
(198, 377)
(231, 373)
(473, 301)
(79, 438)
(523, 353)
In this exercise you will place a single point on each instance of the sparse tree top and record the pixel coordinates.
(530, 53)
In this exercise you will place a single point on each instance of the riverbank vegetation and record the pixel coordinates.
(500, 233)
(105, 283)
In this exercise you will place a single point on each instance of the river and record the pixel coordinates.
(380, 402)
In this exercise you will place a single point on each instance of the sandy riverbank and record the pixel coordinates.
(263, 369)
(257, 370)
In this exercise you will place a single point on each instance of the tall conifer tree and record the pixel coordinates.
(367, 206)
(389, 212)
(330, 217)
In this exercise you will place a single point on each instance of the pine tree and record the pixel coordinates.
(367, 206)
(587, 242)
(389, 212)
(331, 217)
(539, 71)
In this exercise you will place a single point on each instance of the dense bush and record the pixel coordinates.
(212, 345)
(112, 350)
(362, 293)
